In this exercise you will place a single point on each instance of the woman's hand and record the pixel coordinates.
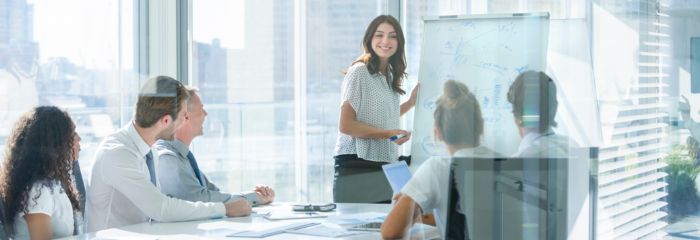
(400, 218)
(402, 140)
(411, 102)
(414, 94)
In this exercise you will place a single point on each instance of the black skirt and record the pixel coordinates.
(358, 180)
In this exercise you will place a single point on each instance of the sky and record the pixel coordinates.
(222, 19)
(87, 32)
(84, 31)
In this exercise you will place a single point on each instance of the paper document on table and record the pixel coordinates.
(118, 234)
(266, 209)
(239, 226)
(273, 231)
(357, 218)
(182, 237)
(295, 215)
(325, 230)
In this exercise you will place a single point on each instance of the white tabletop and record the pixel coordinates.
(212, 228)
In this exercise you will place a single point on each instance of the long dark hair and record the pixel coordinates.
(397, 61)
(40, 149)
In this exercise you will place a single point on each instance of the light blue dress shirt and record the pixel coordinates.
(180, 177)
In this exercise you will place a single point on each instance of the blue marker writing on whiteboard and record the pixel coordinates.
(397, 137)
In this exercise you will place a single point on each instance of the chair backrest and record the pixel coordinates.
(80, 184)
(3, 234)
(471, 213)
(500, 196)
(457, 227)
(80, 221)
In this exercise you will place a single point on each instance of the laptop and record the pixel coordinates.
(397, 174)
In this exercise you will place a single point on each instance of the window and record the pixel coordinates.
(243, 62)
(77, 55)
(333, 41)
(270, 72)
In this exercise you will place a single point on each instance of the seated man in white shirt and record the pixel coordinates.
(179, 173)
(533, 96)
(123, 189)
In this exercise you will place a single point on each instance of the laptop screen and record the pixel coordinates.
(397, 174)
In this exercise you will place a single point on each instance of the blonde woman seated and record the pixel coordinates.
(459, 124)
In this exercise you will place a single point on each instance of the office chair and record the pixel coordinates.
(3, 234)
(78, 176)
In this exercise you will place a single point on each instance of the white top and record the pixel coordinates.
(549, 144)
(375, 104)
(121, 192)
(52, 201)
(535, 145)
(428, 186)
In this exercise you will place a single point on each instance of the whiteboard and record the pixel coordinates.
(486, 52)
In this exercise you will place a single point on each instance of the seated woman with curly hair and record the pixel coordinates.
(39, 196)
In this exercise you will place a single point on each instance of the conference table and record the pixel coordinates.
(222, 228)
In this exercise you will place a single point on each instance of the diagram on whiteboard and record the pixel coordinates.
(486, 53)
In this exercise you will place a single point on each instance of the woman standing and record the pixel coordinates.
(35, 182)
(370, 113)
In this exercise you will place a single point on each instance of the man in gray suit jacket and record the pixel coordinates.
(179, 174)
